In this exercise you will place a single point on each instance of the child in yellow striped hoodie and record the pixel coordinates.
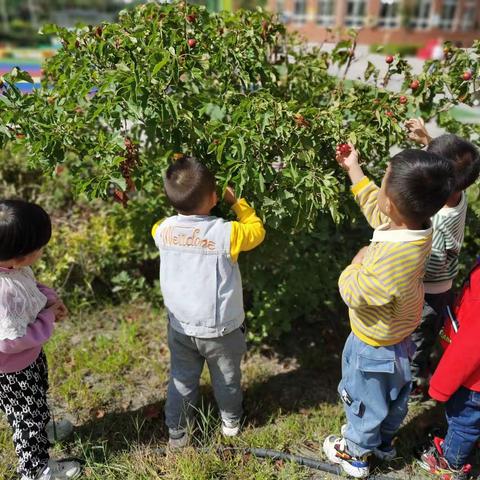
(383, 289)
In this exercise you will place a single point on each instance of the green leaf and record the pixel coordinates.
(160, 65)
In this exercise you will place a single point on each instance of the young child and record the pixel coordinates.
(448, 232)
(383, 288)
(202, 291)
(456, 381)
(28, 311)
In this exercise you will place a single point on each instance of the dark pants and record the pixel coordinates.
(425, 336)
(463, 416)
(23, 399)
(188, 355)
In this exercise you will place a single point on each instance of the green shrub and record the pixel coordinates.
(240, 93)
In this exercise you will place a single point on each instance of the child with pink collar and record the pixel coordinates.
(28, 311)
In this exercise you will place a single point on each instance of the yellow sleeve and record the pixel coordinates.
(366, 195)
(248, 232)
(361, 286)
(154, 228)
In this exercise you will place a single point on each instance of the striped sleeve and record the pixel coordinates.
(361, 286)
(448, 235)
(366, 195)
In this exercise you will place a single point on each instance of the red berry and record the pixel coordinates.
(389, 59)
(389, 113)
(345, 149)
(467, 75)
(59, 169)
(191, 18)
(414, 84)
(192, 42)
(403, 99)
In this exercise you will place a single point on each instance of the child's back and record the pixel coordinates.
(383, 288)
(202, 291)
(201, 285)
(384, 293)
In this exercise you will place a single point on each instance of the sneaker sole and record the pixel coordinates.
(347, 467)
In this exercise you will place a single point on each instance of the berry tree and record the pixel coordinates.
(123, 100)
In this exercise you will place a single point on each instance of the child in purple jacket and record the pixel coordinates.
(28, 311)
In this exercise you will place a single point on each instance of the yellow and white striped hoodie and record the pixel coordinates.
(385, 293)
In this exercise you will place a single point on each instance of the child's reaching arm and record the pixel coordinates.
(417, 131)
(248, 232)
(364, 190)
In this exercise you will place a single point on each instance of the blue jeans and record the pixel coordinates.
(375, 385)
(463, 416)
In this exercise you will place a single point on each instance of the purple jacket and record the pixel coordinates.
(17, 354)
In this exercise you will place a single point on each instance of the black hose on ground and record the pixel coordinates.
(298, 459)
(305, 461)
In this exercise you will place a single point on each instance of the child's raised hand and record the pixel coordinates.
(346, 156)
(417, 131)
(229, 196)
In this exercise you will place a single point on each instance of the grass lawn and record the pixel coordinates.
(109, 372)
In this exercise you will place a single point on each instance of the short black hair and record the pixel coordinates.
(187, 183)
(419, 183)
(24, 228)
(463, 154)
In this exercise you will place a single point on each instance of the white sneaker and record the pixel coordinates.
(336, 451)
(177, 439)
(230, 428)
(58, 431)
(59, 470)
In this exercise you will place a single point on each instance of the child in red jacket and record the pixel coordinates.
(457, 382)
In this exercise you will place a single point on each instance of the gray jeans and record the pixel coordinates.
(187, 358)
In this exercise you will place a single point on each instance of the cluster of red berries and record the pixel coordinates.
(126, 168)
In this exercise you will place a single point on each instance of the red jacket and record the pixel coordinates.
(460, 364)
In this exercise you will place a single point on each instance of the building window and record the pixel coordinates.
(448, 14)
(355, 13)
(326, 13)
(299, 11)
(421, 15)
(469, 15)
(389, 14)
